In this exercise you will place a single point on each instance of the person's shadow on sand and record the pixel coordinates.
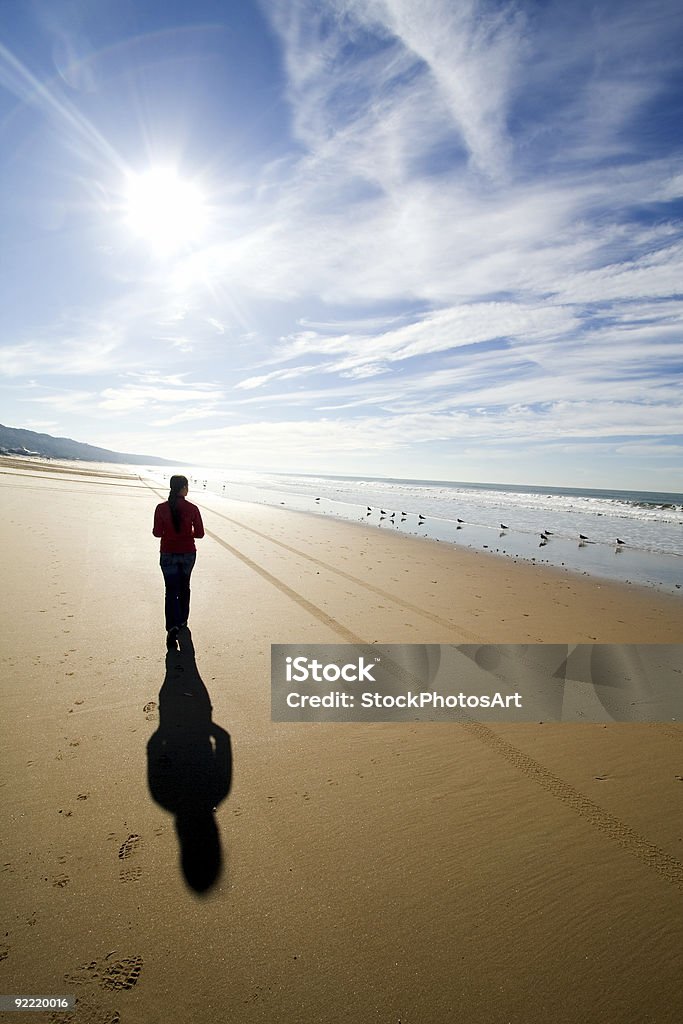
(189, 765)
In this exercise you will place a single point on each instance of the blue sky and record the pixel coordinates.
(437, 240)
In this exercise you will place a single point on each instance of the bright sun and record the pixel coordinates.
(165, 210)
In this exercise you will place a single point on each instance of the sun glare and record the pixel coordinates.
(165, 210)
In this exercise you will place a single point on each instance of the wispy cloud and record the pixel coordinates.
(148, 396)
(250, 383)
(83, 356)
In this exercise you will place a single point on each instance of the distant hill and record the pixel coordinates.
(15, 441)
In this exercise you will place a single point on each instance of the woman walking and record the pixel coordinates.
(178, 522)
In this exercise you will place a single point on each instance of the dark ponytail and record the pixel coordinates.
(177, 484)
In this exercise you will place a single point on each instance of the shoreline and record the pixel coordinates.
(554, 569)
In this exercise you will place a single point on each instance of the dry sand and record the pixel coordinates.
(389, 873)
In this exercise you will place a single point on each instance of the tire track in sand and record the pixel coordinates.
(387, 595)
(294, 595)
(663, 863)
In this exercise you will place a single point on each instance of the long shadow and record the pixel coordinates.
(189, 765)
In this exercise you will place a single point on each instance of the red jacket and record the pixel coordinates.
(191, 526)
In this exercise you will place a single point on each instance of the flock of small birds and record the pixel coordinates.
(545, 535)
(383, 514)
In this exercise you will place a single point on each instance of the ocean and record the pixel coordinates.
(539, 524)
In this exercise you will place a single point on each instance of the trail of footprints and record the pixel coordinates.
(109, 975)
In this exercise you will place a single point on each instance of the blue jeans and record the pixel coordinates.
(177, 570)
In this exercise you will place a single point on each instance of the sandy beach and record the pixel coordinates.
(397, 873)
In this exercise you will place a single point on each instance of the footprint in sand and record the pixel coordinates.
(128, 849)
(149, 709)
(116, 976)
(130, 874)
(122, 974)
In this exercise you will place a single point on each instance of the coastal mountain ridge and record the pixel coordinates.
(17, 441)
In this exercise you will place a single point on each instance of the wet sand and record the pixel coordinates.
(412, 873)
